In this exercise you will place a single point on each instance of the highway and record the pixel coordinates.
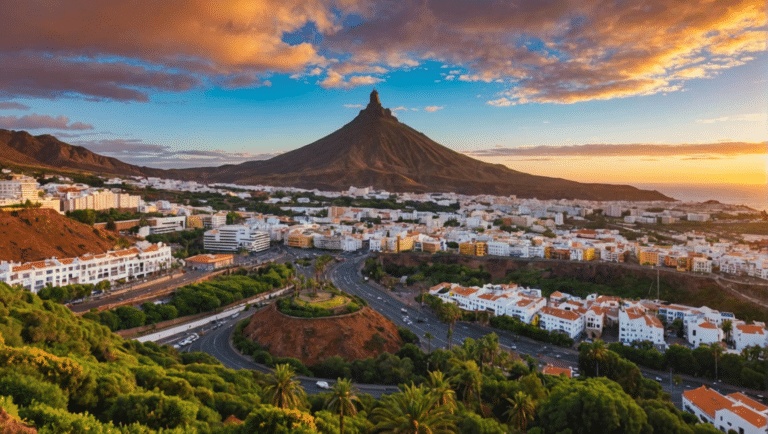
(346, 276)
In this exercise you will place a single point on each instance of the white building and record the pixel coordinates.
(133, 263)
(19, 187)
(735, 412)
(230, 238)
(702, 265)
(164, 225)
(594, 321)
(559, 320)
(498, 248)
(635, 325)
(704, 332)
(748, 335)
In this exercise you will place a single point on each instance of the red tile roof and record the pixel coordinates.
(707, 400)
(564, 314)
(751, 329)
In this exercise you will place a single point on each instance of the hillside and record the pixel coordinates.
(362, 334)
(375, 149)
(20, 147)
(34, 234)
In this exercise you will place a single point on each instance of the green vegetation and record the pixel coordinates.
(191, 241)
(196, 298)
(323, 307)
(64, 374)
(90, 216)
(745, 370)
(438, 273)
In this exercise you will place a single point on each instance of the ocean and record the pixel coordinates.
(753, 196)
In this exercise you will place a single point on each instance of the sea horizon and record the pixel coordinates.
(752, 195)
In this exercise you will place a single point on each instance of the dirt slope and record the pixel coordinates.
(362, 334)
(35, 234)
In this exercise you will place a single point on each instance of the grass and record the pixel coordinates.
(331, 303)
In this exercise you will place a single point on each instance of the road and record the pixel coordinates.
(346, 276)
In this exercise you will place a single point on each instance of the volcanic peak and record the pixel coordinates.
(375, 109)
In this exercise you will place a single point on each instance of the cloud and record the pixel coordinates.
(565, 51)
(138, 152)
(353, 105)
(335, 80)
(751, 117)
(432, 108)
(36, 122)
(620, 150)
(10, 105)
(553, 51)
(401, 108)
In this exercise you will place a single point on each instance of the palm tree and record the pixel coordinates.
(597, 351)
(449, 336)
(440, 387)
(727, 327)
(465, 376)
(413, 411)
(342, 400)
(521, 410)
(428, 336)
(450, 313)
(282, 390)
(489, 348)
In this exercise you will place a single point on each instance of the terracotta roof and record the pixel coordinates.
(597, 310)
(652, 321)
(749, 415)
(751, 329)
(152, 248)
(749, 402)
(464, 292)
(440, 286)
(209, 258)
(634, 313)
(707, 400)
(486, 296)
(23, 267)
(707, 325)
(556, 294)
(66, 261)
(564, 314)
(554, 370)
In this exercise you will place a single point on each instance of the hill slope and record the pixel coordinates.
(35, 234)
(375, 149)
(45, 150)
(350, 337)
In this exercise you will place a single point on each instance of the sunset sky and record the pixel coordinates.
(659, 91)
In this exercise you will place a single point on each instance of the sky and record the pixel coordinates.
(631, 92)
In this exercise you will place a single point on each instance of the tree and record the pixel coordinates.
(466, 377)
(440, 387)
(413, 411)
(489, 348)
(594, 405)
(597, 351)
(342, 400)
(521, 410)
(727, 327)
(428, 336)
(449, 336)
(282, 390)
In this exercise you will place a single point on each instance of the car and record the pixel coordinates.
(659, 379)
(323, 385)
(402, 309)
(420, 320)
(514, 347)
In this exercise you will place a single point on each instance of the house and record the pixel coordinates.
(558, 320)
(748, 335)
(210, 261)
(704, 332)
(636, 326)
(735, 412)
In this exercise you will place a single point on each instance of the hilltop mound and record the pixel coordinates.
(362, 334)
(34, 234)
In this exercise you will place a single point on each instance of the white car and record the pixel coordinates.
(323, 385)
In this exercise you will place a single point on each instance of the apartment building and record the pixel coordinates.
(231, 238)
(498, 248)
(636, 326)
(100, 200)
(735, 412)
(19, 187)
(749, 335)
(554, 319)
(704, 332)
(300, 239)
(136, 262)
(473, 248)
(165, 225)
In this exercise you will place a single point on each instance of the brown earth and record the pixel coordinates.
(686, 288)
(34, 234)
(358, 335)
(11, 425)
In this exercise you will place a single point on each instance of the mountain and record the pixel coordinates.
(375, 149)
(20, 147)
